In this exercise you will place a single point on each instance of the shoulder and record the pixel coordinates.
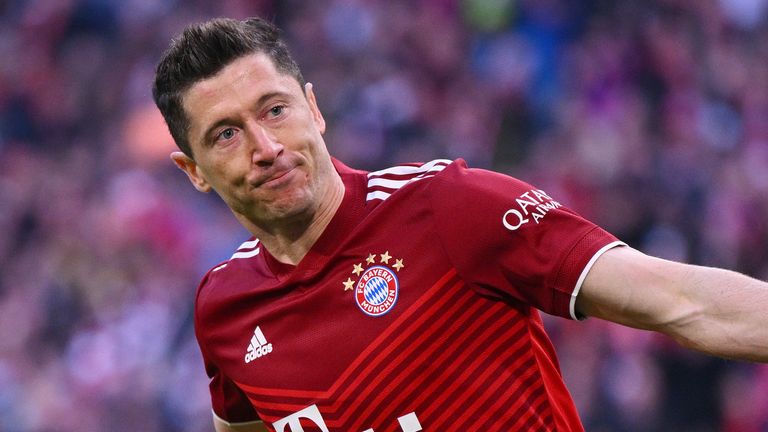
(443, 180)
(459, 178)
(448, 182)
(382, 184)
(243, 256)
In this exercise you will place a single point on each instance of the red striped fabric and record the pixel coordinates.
(451, 352)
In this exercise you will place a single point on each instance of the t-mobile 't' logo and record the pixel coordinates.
(408, 422)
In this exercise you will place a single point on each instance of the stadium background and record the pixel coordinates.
(648, 117)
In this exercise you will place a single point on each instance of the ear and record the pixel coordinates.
(317, 116)
(192, 170)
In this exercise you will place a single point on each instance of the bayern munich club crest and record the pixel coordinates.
(377, 286)
(376, 291)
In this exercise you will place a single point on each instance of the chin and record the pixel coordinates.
(291, 208)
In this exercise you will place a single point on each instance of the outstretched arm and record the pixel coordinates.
(711, 310)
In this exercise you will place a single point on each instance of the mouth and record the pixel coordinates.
(275, 179)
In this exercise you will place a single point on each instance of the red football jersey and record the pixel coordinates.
(416, 309)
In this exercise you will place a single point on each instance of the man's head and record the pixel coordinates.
(249, 127)
(202, 51)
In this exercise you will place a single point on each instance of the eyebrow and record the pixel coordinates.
(227, 120)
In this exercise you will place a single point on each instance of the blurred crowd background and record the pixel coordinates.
(648, 117)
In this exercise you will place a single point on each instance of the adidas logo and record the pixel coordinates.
(258, 346)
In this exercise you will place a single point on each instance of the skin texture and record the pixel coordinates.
(707, 309)
(257, 142)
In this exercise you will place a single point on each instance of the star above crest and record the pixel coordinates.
(398, 265)
(348, 284)
(359, 268)
(385, 257)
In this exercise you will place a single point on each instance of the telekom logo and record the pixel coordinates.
(408, 422)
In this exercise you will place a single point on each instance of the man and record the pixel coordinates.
(403, 299)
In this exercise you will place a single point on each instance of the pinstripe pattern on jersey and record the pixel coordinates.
(451, 350)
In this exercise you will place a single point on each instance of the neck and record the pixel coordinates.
(290, 242)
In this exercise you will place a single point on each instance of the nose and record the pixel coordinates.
(265, 148)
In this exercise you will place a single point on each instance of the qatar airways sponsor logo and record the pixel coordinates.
(292, 423)
(532, 206)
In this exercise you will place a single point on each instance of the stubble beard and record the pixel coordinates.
(284, 212)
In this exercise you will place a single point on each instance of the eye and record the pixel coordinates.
(226, 134)
(276, 110)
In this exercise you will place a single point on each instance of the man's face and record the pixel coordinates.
(257, 141)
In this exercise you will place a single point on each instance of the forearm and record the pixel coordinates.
(715, 311)
(727, 314)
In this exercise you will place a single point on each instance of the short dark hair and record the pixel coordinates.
(203, 50)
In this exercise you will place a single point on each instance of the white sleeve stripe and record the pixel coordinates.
(377, 195)
(396, 184)
(382, 195)
(405, 169)
(230, 424)
(575, 293)
(249, 244)
(247, 254)
(392, 184)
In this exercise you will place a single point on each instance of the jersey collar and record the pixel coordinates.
(349, 213)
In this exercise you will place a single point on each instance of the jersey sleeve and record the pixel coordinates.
(228, 401)
(508, 239)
